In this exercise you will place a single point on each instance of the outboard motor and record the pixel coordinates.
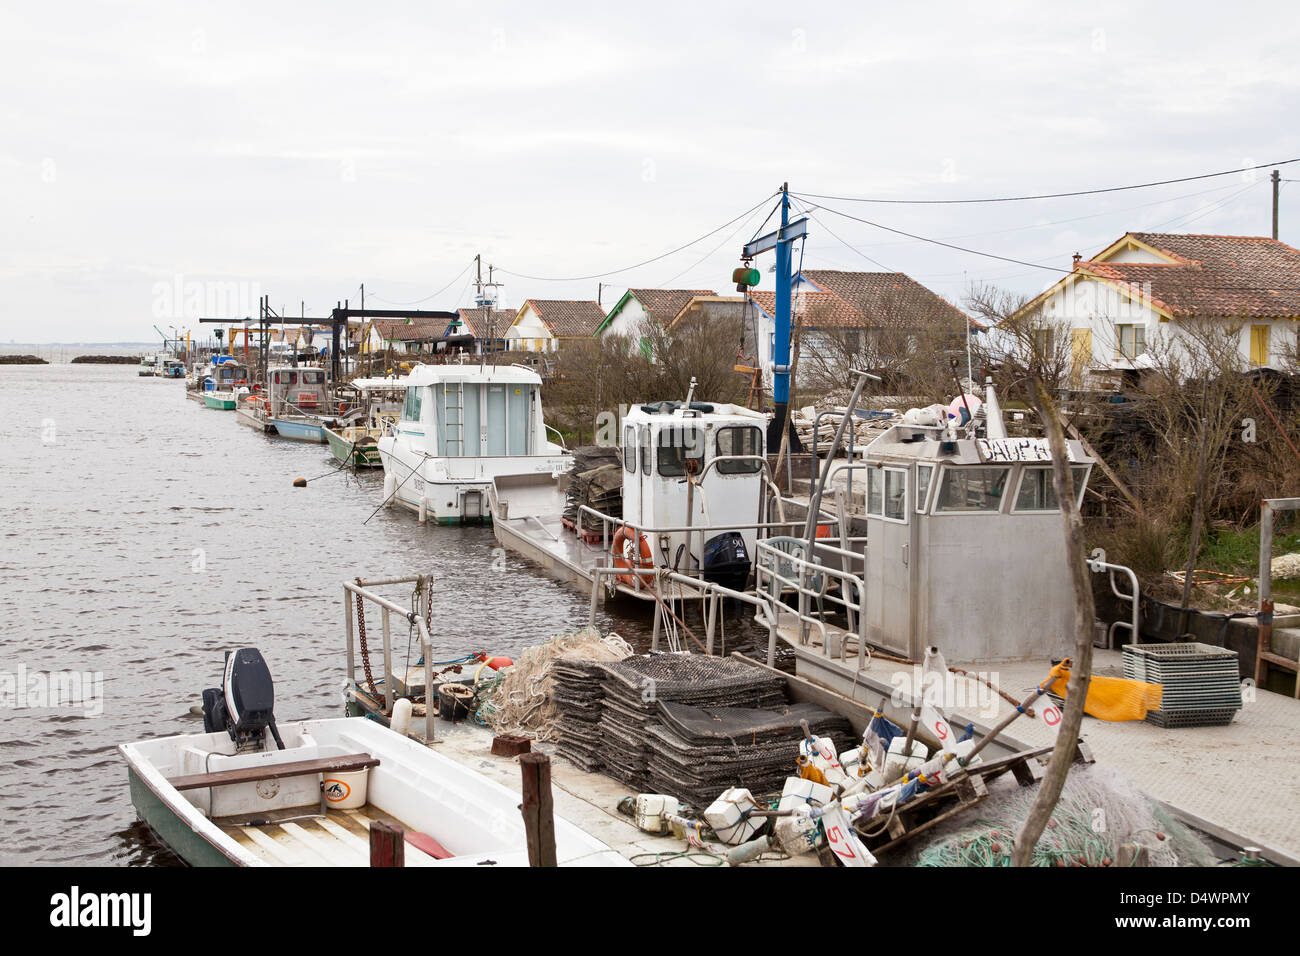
(244, 706)
(726, 560)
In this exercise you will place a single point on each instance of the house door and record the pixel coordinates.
(1258, 345)
(1080, 354)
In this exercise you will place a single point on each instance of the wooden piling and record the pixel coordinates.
(387, 844)
(538, 808)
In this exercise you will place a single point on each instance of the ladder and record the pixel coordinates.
(454, 441)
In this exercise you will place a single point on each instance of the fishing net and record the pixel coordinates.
(1098, 811)
(520, 700)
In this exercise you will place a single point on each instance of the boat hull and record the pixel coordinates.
(179, 836)
(218, 401)
(246, 416)
(299, 431)
(358, 455)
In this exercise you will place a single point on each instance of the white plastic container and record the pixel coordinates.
(651, 811)
(726, 816)
(896, 763)
(799, 792)
(345, 791)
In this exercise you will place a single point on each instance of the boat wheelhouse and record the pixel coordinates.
(460, 427)
(224, 384)
(294, 404)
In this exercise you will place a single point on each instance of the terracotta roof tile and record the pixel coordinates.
(863, 300)
(663, 305)
(1214, 277)
(566, 318)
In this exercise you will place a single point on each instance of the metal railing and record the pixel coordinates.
(777, 571)
(387, 607)
(1097, 566)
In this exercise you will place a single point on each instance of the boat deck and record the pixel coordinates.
(340, 838)
(587, 800)
(533, 527)
(1239, 783)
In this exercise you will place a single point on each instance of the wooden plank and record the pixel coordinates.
(294, 768)
(387, 845)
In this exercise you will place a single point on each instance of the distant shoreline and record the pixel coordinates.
(105, 360)
(22, 360)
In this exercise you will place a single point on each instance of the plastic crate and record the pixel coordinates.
(1201, 683)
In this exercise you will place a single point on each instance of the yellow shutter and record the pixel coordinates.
(1081, 354)
(1259, 345)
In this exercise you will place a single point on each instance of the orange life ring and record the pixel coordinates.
(621, 549)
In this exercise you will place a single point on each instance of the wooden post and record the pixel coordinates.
(387, 844)
(538, 808)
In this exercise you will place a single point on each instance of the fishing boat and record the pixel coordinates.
(697, 495)
(147, 364)
(460, 427)
(172, 368)
(247, 792)
(365, 419)
(225, 380)
(297, 403)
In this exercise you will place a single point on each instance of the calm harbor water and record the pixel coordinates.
(145, 534)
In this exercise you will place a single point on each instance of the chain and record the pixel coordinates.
(365, 649)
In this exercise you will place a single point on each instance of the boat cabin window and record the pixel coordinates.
(285, 377)
(1037, 492)
(678, 445)
(643, 434)
(966, 489)
(312, 376)
(887, 493)
(629, 450)
(739, 440)
(923, 475)
(414, 399)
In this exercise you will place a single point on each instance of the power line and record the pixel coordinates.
(600, 275)
(428, 297)
(713, 251)
(1077, 192)
(946, 245)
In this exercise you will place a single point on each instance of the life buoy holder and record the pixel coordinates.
(626, 556)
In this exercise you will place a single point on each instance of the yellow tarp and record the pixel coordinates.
(1115, 698)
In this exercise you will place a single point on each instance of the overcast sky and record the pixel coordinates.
(303, 149)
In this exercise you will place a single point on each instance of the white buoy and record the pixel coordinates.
(390, 486)
(401, 721)
(424, 510)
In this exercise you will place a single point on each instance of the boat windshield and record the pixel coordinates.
(678, 445)
(1038, 493)
(971, 489)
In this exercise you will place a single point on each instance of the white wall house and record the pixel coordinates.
(850, 304)
(630, 314)
(542, 325)
(1135, 303)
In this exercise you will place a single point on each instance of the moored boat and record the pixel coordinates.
(246, 792)
(460, 427)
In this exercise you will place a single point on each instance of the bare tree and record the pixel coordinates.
(1035, 363)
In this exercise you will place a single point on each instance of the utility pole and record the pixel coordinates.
(1277, 182)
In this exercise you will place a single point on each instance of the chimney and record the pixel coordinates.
(1077, 257)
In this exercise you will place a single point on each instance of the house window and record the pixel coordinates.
(852, 342)
(676, 447)
(966, 489)
(1038, 493)
(739, 440)
(1132, 341)
(1044, 342)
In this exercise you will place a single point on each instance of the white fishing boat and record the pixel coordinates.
(462, 426)
(697, 498)
(247, 792)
